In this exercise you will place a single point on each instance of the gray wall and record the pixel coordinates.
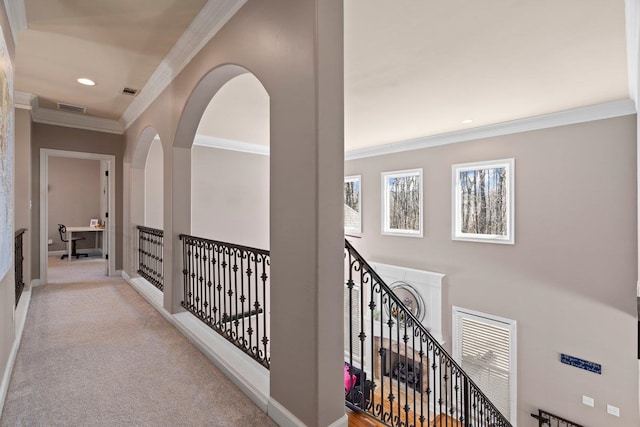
(74, 198)
(70, 139)
(569, 281)
(230, 196)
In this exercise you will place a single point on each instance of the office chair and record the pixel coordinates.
(63, 232)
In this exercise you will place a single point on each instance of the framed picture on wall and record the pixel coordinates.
(483, 202)
(94, 223)
(402, 203)
(352, 204)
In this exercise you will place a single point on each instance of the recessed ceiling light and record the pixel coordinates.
(466, 122)
(86, 82)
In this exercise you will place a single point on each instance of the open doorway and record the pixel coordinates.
(73, 202)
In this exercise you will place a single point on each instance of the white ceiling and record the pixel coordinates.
(413, 68)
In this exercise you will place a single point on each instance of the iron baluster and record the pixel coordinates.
(150, 263)
(18, 265)
(216, 292)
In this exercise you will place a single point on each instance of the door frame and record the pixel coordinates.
(45, 154)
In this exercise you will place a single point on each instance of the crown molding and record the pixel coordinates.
(17, 15)
(229, 144)
(72, 120)
(632, 20)
(24, 100)
(212, 17)
(580, 115)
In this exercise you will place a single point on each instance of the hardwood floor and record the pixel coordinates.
(358, 419)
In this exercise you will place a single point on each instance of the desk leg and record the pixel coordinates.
(69, 235)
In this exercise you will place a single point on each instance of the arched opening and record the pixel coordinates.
(220, 206)
(147, 186)
(147, 210)
(230, 166)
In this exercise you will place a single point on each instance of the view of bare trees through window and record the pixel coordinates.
(403, 201)
(352, 195)
(483, 201)
(352, 215)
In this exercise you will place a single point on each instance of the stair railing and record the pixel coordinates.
(226, 286)
(395, 370)
(18, 263)
(150, 255)
(548, 419)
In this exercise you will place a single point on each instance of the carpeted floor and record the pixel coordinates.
(95, 353)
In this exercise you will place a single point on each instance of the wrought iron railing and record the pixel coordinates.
(227, 287)
(150, 255)
(18, 264)
(548, 419)
(395, 370)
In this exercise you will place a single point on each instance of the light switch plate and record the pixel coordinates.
(588, 401)
(613, 410)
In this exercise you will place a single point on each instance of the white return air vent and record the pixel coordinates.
(72, 108)
(130, 91)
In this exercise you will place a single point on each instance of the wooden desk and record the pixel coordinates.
(71, 230)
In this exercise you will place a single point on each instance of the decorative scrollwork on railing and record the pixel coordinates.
(226, 286)
(18, 263)
(150, 255)
(398, 373)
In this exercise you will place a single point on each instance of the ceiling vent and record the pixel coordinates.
(72, 108)
(129, 91)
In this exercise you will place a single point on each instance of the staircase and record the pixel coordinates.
(396, 372)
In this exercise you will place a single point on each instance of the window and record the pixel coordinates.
(485, 347)
(483, 202)
(402, 203)
(352, 205)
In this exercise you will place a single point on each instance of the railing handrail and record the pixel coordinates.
(263, 252)
(150, 230)
(416, 323)
(20, 231)
(542, 412)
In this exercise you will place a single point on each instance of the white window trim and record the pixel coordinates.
(386, 230)
(456, 233)
(494, 321)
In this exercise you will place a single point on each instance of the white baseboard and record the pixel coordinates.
(36, 282)
(341, 422)
(281, 416)
(21, 318)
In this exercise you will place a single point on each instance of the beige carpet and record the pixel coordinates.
(95, 353)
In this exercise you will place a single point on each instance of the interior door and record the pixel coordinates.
(105, 219)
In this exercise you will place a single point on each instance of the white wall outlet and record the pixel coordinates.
(588, 401)
(50, 241)
(613, 410)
